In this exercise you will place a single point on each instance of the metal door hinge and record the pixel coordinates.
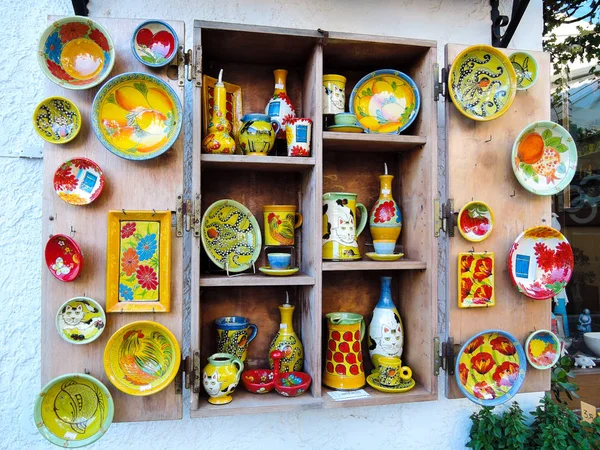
(196, 218)
(443, 217)
(190, 65)
(179, 216)
(193, 372)
(181, 375)
(440, 82)
(443, 358)
(23, 152)
(325, 36)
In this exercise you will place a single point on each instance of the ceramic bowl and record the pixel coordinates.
(76, 53)
(475, 221)
(258, 381)
(78, 181)
(142, 358)
(63, 257)
(526, 69)
(292, 384)
(384, 247)
(73, 410)
(80, 320)
(279, 261)
(592, 340)
(57, 120)
(137, 116)
(542, 349)
(154, 43)
(347, 119)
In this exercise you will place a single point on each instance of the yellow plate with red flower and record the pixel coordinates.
(476, 273)
(490, 367)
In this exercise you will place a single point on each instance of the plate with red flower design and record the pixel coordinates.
(540, 262)
(79, 181)
(475, 221)
(542, 349)
(154, 43)
(76, 53)
(63, 257)
(491, 367)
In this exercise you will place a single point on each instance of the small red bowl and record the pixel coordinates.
(292, 384)
(258, 381)
(64, 258)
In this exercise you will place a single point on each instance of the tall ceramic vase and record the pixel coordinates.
(386, 334)
(385, 220)
(280, 107)
(218, 138)
(287, 342)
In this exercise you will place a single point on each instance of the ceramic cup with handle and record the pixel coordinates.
(392, 372)
(298, 133)
(234, 333)
(280, 224)
(339, 226)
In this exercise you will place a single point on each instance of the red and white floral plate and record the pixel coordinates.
(475, 221)
(79, 181)
(540, 262)
(63, 257)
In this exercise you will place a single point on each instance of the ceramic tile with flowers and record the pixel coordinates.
(139, 267)
(490, 366)
(476, 280)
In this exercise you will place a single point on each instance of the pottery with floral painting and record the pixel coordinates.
(542, 349)
(385, 219)
(287, 342)
(280, 107)
(219, 140)
(154, 43)
(340, 232)
(257, 135)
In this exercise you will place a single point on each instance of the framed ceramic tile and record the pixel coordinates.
(138, 261)
(476, 280)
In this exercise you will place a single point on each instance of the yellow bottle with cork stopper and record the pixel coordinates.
(218, 139)
(287, 342)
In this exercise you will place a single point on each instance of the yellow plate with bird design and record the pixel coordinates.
(482, 83)
(73, 410)
(142, 358)
(230, 236)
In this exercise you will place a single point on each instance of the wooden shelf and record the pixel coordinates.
(299, 279)
(403, 264)
(363, 142)
(416, 394)
(245, 402)
(267, 163)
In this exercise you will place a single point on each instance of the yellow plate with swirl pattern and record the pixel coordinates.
(482, 83)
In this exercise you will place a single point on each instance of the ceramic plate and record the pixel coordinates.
(476, 273)
(73, 410)
(278, 272)
(402, 387)
(542, 349)
(63, 257)
(540, 262)
(142, 358)
(544, 158)
(80, 320)
(526, 69)
(136, 116)
(385, 101)
(482, 83)
(491, 367)
(233, 104)
(230, 235)
(76, 53)
(475, 221)
(79, 181)
(392, 257)
(154, 43)
(57, 120)
(346, 128)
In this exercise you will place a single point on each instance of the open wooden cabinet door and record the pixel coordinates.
(155, 184)
(479, 168)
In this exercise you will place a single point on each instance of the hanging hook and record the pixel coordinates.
(124, 212)
(86, 371)
(472, 250)
(72, 232)
(513, 194)
(490, 139)
(154, 212)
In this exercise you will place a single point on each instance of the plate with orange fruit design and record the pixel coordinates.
(385, 101)
(544, 158)
(136, 116)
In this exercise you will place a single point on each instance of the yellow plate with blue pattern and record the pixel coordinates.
(482, 83)
(404, 386)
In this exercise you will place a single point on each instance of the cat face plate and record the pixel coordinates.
(80, 320)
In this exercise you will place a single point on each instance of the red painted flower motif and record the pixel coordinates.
(385, 212)
(545, 256)
(506, 374)
(98, 37)
(482, 362)
(147, 278)
(559, 275)
(537, 291)
(483, 295)
(288, 118)
(81, 163)
(503, 345)
(283, 96)
(127, 230)
(464, 373)
(297, 150)
(564, 255)
(474, 345)
(466, 284)
(64, 179)
(130, 261)
(483, 269)
(73, 30)
(58, 71)
(484, 391)
(465, 263)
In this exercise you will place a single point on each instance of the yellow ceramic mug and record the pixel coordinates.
(391, 371)
(280, 223)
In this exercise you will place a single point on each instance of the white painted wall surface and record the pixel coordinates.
(434, 425)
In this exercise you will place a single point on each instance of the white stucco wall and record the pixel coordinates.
(434, 425)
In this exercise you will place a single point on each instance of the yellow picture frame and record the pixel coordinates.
(138, 261)
(476, 273)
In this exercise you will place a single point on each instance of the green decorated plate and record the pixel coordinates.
(482, 83)
(231, 236)
(544, 158)
(526, 69)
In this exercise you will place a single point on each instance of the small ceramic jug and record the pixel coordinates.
(280, 107)
(218, 140)
(339, 230)
(334, 96)
(234, 335)
(287, 342)
(257, 135)
(221, 376)
(280, 223)
(298, 133)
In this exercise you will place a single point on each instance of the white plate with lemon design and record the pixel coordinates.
(385, 101)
